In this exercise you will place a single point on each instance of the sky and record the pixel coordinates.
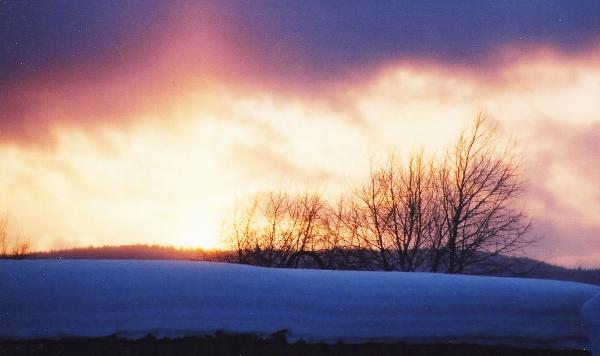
(143, 121)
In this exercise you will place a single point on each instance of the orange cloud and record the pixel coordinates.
(158, 156)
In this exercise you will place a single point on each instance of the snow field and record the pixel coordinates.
(56, 298)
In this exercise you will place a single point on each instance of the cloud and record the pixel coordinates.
(563, 192)
(37, 37)
(262, 162)
(151, 143)
(304, 37)
(108, 62)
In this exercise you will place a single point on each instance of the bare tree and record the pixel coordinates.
(479, 183)
(277, 230)
(442, 215)
(409, 209)
(3, 236)
(338, 239)
(306, 210)
(274, 243)
(394, 210)
(436, 244)
(369, 215)
(242, 230)
(20, 248)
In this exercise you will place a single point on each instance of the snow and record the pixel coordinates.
(56, 298)
(591, 317)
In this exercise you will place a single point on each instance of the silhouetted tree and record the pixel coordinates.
(443, 215)
(20, 248)
(3, 235)
(410, 208)
(242, 230)
(369, 214)
(277, 230)
(478, 186)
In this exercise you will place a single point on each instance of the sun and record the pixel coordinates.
(197, 237)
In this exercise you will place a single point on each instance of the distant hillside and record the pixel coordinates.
(130, 252)
(530, 268)
(517, 267)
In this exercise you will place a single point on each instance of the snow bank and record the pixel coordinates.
(591, 317)
(51, 298)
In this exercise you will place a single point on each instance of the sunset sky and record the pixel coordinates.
(142, 121)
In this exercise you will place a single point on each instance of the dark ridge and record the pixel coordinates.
(128, 252)
(507, 266)
(246, 345)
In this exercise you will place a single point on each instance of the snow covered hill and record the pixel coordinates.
(55, 298)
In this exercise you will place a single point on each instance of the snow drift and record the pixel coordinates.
(56, 298)
(591, 317)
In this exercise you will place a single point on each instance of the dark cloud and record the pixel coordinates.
(88, 61)
(340, 35)
(311, 37)
(38, 35)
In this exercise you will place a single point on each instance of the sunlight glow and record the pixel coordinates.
(199, 237)
(170, 176)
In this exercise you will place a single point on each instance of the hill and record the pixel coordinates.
(502, 266)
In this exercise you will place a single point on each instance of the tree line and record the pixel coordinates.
(18, 249)
(426, 213)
